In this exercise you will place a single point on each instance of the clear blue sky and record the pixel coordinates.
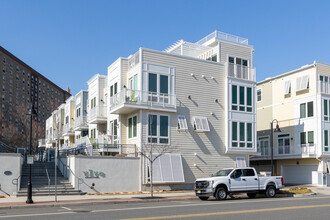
(70, 41)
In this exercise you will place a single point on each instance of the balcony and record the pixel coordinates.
(67, 130)
(223, 36)
(308, 149)
(240, 72)
(129, 100)
(97, 115)
(80, 123)
(324, 87)
(42, 142)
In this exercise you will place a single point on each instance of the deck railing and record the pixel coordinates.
(224, 36)
(241, 72)
(137, 97)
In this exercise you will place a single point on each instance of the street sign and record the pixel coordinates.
(29, 159)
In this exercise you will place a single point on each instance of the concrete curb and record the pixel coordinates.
(96, 202)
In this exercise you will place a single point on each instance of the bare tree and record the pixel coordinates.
(151, 152)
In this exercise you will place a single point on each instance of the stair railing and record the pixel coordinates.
(15, 182)
(80, 180)
(48, 179)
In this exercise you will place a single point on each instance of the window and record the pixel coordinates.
(302, 83)
(326, 140)
(244, 97)
(182, 123)
(303, 110)
(287, 87)
(283, 141)
(303, 138)
(325, 109)
(234, 97)
(201, 124)
(310, 110)
(248, 172)
(311, 137)
(258, 95)
(158, 88)
(245, 132)
(158, 129)
(78, 112)
(133, 82)
(234, 134)
(93, 102)
(132, 127)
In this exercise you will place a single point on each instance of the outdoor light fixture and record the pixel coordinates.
(203, 76)
(192, 74)
(189, 97)
(216, 100)
(32, 112)
(277, 129)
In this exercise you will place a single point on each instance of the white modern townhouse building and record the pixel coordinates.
(197, 97)
(300, 101)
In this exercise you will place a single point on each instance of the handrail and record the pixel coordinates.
(16, 183)
(48, 179)
(80, 180)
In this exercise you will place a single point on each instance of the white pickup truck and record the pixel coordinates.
(237, 180)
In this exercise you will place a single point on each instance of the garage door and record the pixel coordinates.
(298, 174)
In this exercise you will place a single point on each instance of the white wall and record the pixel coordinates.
(13, 163)
(121, 174)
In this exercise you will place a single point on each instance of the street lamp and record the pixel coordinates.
(277, 129)
(32, 112)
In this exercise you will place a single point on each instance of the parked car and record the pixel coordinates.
(237, 180)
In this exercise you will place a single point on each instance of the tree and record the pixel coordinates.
(152, 152)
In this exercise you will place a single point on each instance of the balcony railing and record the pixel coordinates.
(324, 87)
(42, 142)
(224, 36)
(80, 122)
(82, 141)
(308, 149)
(241, 72)
(98, 112)
(67, 128)
(137, 97)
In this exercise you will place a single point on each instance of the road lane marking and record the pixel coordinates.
(66, 208)
(206, 203)
(229, 212)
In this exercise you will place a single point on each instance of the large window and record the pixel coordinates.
(242, 134)
(132, 127)
(158, 88)
(158, 129)
(244, 96)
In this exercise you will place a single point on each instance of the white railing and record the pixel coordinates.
(133, 60)
(324, 87)
(67, 128)
(224, 36)
(67, 146)
(241, 72)
(81, 122)
(284, 150)
(82, 141)
(308, 149)
(97, 112)
(264, 151)
(128, 96)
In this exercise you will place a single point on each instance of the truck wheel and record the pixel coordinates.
(270, 192)
(221, 193)
(251, 195)
(203, 198)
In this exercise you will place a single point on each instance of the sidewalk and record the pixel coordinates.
(39, 201)
(11, 202)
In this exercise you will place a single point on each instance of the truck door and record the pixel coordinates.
(251, 179)
(236, 182)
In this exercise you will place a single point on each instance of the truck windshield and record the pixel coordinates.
(223, 172)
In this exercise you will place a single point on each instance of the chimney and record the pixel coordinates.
(68, 90)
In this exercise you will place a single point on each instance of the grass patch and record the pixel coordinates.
(299, 190)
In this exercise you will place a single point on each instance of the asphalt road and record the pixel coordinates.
(260, 208)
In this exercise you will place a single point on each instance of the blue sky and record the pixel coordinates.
(70, 41)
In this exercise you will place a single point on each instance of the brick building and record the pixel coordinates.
(20, 87)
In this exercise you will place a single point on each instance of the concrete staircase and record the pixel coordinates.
(40, 181)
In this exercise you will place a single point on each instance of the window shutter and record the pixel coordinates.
(287, 87)
(298, 83)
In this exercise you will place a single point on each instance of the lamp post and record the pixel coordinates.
(277, 129)
(31, 113)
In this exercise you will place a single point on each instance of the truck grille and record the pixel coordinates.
(201, 184)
